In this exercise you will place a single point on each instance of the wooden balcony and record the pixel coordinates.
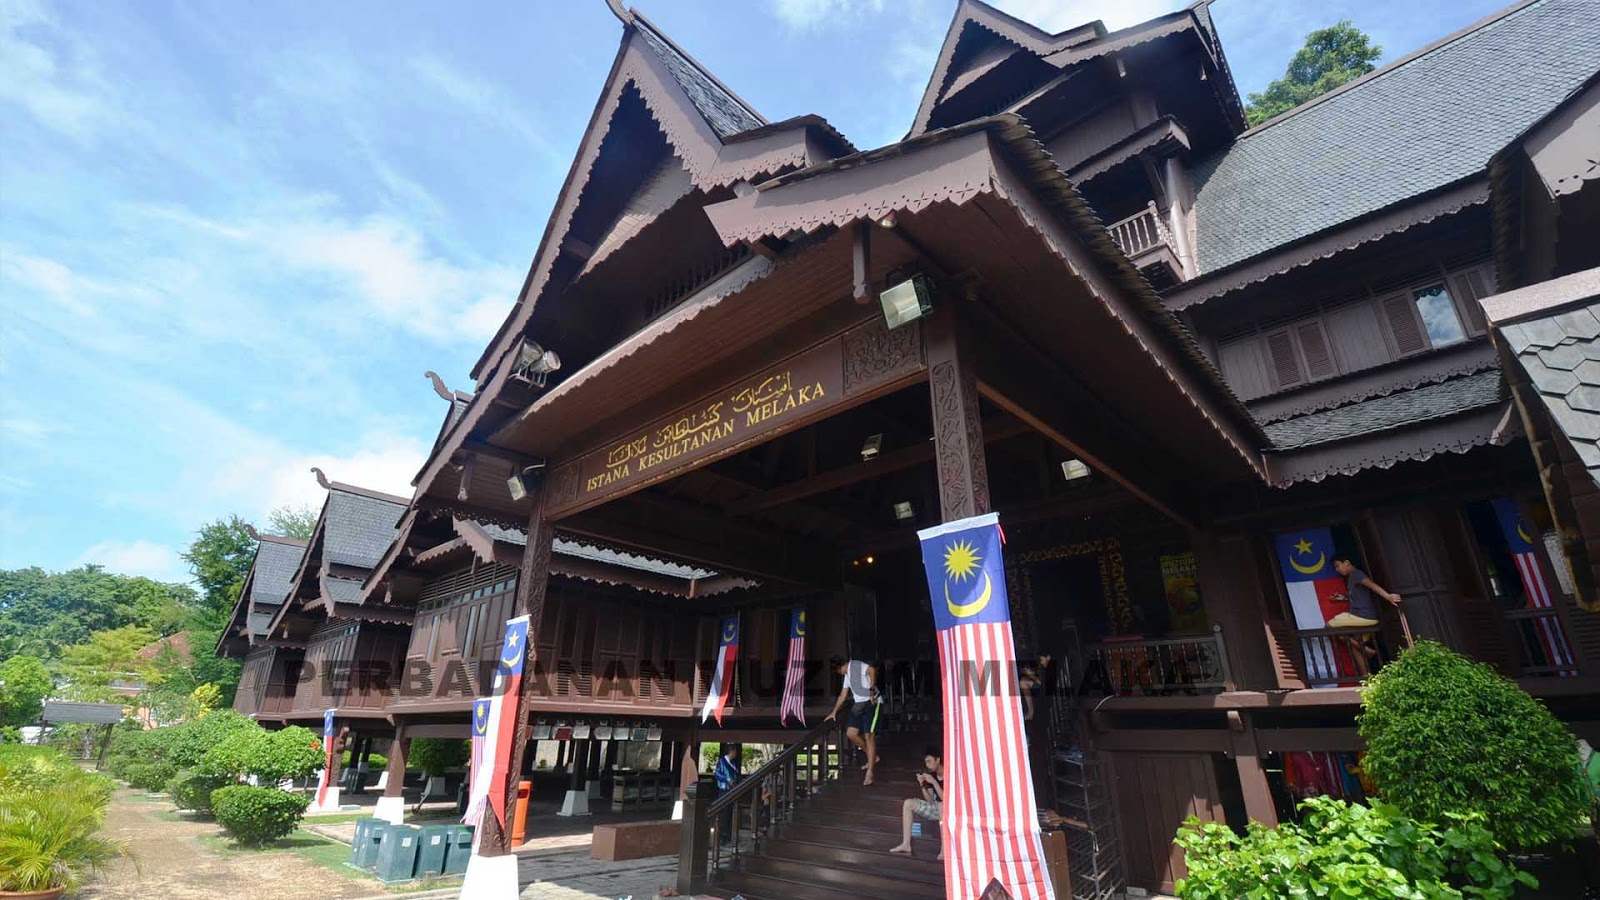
(1148, 242)
(1180, 664)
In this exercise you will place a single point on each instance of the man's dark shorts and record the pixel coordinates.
(863, 717)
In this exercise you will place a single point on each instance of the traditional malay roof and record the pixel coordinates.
(1398, 410)
(1552, 330)
(265, 587)
(1396, 135)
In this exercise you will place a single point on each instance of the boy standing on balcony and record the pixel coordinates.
(1362, 593)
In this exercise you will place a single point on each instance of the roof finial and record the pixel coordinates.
(618, 10)
(321, 478)
(251, 530)
(439, 385)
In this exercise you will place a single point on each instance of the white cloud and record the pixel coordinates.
(140, 557)
(25, 430)
(806, 15)
(56, 82)
(481, 97)
(1054, 15)
(380, 462)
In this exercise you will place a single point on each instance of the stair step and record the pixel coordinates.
(881, 861)
(861, 880)
(850, 834)
(762, 887)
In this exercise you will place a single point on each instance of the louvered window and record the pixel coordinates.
(1469, 287)
(1283, 359)
(1315, 350)
(1405, 329)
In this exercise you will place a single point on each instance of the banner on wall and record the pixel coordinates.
(722, 679)
(794, 682)
(990, 811)
(1181, 581)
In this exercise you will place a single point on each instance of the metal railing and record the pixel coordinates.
(1342, 657)
(1142, 231)
(1181, 664)
(735, 822)
(1542, 646)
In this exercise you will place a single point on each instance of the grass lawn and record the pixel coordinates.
(329, 854)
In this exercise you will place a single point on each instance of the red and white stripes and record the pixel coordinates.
(1550, 633)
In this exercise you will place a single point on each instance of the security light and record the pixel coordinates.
(904, 510)
(870, 447)
(1073, 469)
(535, 363)
(521, 482)
(907, 301)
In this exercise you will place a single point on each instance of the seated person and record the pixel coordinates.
(930, 805)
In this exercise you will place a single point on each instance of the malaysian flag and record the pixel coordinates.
(990, 818)
(1547, 629)
(722, 680)
(794, 685)
(478, 777)
(505, 705)
(327, 749)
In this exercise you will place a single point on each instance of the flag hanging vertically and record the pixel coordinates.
(477, 775)
(722, 680)
(1316, 594)
(990, 815)
(794, 683)
(327, 763)
(1519, 540)
(505, 705)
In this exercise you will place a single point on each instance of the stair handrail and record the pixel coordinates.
(772, 789)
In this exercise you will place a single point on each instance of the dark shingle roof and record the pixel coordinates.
(275, 566)
(359, 528)
(1561, 354)
(600, 554)
(1433, 401)
(726, 114)
(342, 590)
(1419, 125)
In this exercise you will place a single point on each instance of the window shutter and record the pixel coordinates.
(1283, 359)
(1314, 347)
(1404, 329)
(1469, 287)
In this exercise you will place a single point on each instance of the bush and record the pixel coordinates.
(271, 756)
(437, 756)
(256, 815)
(192, 790)
(43, 769)
(376, 762)
(188, 743)
(149, 776)
(1346, 850)
(1448, 735)
(51, 839)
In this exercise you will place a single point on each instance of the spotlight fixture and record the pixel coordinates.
(907, 301)
(904, 510)
(521, 482)
(1073, 469)
(535, 363)
(870, 447)
(870, 560)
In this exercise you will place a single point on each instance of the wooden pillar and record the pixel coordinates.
(688, 768)
(533, 583)
(1258, 806)
(957, 426)
(398, 748)
(580, 764)
(1232, 595)
(561, 754)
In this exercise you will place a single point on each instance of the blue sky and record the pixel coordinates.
(234, 235)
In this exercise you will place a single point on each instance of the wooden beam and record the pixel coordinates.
(998, 429)
(958, 445)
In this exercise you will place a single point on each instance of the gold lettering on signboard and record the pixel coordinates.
(773, 386)
(783, 403)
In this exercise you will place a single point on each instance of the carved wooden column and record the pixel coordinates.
(532, 584)
(957, 426)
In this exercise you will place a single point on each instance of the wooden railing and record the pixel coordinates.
(1342, 657)
(1142, 231)
(1543, 649)
(760, 802)
(1182, 664)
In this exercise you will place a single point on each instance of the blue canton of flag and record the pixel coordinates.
(794, 682)
(515, 650)
(1306, 555)
(966, 573)
(1519, 537)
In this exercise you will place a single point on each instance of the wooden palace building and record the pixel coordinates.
(1187, 362)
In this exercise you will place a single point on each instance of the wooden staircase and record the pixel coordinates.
(836, 842)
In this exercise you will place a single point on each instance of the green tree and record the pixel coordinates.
(219, 558)
(1330, 57)
(24, 684)
(41, 612)
(293, 521)
(1449, 736)
(90, 668)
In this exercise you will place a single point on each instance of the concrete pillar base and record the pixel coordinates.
(576, 803)
(330, 806)
(491, 878)
(677, 811)
(383, 781)
(391, 810)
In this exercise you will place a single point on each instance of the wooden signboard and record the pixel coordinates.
(813, 384)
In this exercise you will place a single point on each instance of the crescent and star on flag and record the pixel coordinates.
(800, 624)
(963, 563)
(1303, 548)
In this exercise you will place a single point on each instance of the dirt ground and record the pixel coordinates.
(176, 864)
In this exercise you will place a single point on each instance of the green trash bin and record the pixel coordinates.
(369, 836)
(397, 853)
(434, 844)
(460, 852)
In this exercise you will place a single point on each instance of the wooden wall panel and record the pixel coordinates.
(1155, 793)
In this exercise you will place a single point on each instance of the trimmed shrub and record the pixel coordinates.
(437, 756)
(188, 743)
(149, 776)
(192, 790)
(271, 756)
(44, 769)
(1346, 850)
(257, 815)
(1449, 735)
